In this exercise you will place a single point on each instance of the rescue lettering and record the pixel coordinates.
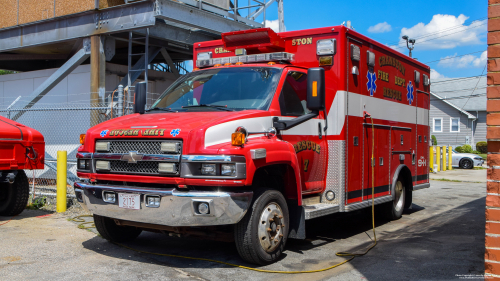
(386, 60)
(221, 50)
(124, 133)
(307, 145)
(130, 132)
(399, 81)
(302, 41)
(384, 76)
(392, 94)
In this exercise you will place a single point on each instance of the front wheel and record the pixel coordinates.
(110, 231)
(262, 233)
(466, 164)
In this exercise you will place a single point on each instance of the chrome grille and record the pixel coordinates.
(142, 167)
(143, 147)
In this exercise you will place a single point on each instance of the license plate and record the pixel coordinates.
(129, 201)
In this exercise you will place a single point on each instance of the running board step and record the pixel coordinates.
(319, 210)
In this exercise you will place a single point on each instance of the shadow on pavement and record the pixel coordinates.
(26, 214)
(435, 248)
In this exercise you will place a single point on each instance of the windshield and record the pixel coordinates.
(235, 88)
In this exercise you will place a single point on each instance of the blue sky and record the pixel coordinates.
(442, 28)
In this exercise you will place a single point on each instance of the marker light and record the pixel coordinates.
(227, 64)
(203, 208)
(204, 56)
(238, 139)
(82, 138)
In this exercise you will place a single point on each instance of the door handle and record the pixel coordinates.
(319, 130)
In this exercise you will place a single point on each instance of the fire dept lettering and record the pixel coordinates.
(221, 50)
(384, 76)
(302, 41)
(307, 145)
(392, 94)
(399, 81)
(130, 132)
(386, 60)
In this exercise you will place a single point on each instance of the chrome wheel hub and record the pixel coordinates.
(398, 200)
(271, 224)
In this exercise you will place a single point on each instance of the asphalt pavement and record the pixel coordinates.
(440, 238)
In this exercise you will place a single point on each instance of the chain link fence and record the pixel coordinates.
(61, 125)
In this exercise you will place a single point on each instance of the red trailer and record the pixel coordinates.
(21, 148)
(270, 129)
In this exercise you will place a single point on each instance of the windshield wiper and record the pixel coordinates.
(162, 109)
(221, 107)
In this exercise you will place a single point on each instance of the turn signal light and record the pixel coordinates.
(82, 138)
(238, 139)
(227, 64)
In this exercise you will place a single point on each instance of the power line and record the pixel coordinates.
(454, 57)
(437, 32)
(455, 79)
(449, 34)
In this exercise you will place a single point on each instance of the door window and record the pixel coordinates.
(294, 95)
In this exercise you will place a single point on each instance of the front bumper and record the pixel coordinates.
(177, 208)
(478, 163)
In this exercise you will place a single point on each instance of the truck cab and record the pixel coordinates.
(251, 144)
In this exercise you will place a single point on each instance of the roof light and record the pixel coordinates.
(279, 56)
(227, 64)
(271, 63)
(218, 65)
(239, 63)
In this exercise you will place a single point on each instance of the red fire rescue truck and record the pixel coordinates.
(269, 130)
(21, 148)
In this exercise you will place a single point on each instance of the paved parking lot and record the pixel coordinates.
(440, 238)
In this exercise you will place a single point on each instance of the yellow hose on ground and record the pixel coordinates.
(83, 223)
(340, 254)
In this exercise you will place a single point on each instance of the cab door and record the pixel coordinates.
(307, 138)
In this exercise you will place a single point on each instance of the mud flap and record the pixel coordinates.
(297, 221)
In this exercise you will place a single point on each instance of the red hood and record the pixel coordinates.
(189, 126)
(11, 130)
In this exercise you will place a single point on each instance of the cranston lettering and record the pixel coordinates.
(390, 61)
(302, 41)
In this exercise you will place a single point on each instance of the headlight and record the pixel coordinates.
(169, 168)
(102, 165)
(102, 146)
(208, 169)
(478, 158)
(228, 170)
(169, 147)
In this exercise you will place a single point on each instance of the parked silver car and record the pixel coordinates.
(465, 160)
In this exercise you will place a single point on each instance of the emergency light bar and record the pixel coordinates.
(279, 56)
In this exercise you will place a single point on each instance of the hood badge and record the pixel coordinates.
(132, 157)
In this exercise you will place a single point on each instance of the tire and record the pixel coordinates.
(262, 243)
(466, 163)
(110, 231)
(394, 210)
(14, 196)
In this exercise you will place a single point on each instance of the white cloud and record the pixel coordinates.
(466, 61)
(436, 75)
(445, 32)
(274, 25)
(380, 28)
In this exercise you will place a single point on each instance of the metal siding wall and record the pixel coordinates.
(479, 126)
(440, 109)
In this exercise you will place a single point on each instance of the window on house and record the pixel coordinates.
(438, 125)
(454, 124)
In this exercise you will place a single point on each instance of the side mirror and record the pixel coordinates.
(316, 89)
(140, 98)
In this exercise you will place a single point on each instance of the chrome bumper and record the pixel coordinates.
(177, 208)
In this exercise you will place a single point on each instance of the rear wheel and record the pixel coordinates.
(109, 230)
(14, 196)
(394, 210)
(466, 163)
(262, 233)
